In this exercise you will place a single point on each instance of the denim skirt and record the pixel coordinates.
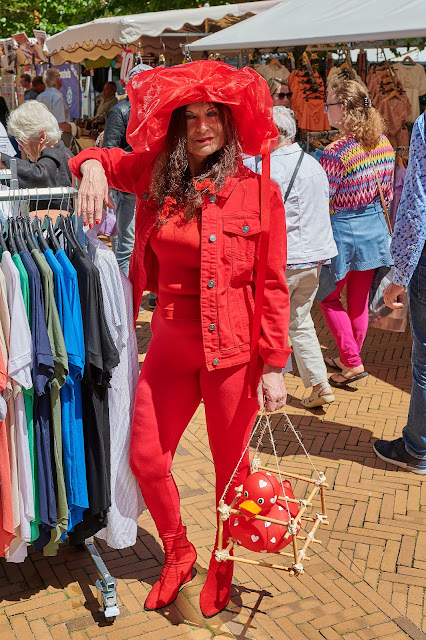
(363, 242)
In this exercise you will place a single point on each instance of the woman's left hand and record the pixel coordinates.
(271, 391)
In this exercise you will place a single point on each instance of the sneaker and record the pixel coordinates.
(394, 451)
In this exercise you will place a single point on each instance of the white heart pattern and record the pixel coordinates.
(236, 521)
(264, 551)
(268, 474)
(273, 500)
(267, 524)
(254, 538)
(262, 484)
(280, 508)
(273, 540)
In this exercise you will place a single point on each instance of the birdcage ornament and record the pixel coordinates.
(265, 516)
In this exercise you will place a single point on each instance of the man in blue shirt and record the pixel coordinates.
(409, 253)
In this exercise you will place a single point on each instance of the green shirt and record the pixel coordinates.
(60, 358)
(29, 402)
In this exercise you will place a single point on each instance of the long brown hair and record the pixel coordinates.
(360, 118)
(172, 183)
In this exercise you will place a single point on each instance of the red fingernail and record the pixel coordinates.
(98, 221)
(90, 226)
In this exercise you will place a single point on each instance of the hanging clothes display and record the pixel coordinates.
(413, 78)
(389, 98)
(272, 69)
(308, 99)
(68, 373)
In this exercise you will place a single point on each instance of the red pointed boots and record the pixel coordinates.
(216, 593)
(180, 557)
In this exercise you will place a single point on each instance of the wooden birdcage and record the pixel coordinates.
(297, 526)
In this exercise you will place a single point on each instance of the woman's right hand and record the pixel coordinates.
(93, 192)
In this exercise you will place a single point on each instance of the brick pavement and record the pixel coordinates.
(367, 580)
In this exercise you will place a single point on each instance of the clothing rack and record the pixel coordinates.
(315, 135)
(106, 584)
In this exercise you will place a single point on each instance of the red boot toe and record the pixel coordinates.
(216, 593)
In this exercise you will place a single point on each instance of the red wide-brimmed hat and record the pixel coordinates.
(155, 94)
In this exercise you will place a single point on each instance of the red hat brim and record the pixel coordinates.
(155, 94)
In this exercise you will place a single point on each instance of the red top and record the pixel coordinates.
(177, 247)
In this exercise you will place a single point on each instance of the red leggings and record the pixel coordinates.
(349, 328)
(172, 382)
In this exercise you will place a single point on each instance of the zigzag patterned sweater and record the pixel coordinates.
(351, 176)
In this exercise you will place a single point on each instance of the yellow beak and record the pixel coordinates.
(251, 507)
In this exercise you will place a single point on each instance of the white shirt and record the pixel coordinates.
(309, 232)
(19, 370)
(126, 499)
(55, 102)
(413, 78)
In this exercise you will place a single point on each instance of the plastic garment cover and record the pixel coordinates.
(155, 94)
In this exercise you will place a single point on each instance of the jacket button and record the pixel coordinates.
(212, 327)
(145, 196)
(215, 361)
(212, 238)
(210, 284)
(212, 198)
(246, 228)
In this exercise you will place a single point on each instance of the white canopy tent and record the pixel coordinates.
(320, 22)
(150, 31)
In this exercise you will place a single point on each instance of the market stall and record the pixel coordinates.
(160, 32)
(303, 22)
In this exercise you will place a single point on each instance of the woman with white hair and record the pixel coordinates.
(304, 188)
(39, 136)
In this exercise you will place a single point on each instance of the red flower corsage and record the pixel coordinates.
(205, 185)
(167, 206)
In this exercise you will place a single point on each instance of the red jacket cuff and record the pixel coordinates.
(88, 154)
(274, 357)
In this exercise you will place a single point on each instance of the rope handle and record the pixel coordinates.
(382, 198)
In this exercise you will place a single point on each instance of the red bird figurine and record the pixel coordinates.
(260, 494)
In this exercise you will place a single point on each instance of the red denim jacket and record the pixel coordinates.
(230, 232)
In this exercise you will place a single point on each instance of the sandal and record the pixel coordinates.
(342, 385)
(316, 400)
(332, 364)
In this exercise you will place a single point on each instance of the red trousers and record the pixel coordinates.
(172, 382)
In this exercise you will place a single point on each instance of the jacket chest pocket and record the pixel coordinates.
(241, 236)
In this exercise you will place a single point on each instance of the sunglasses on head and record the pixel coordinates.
(283, 95)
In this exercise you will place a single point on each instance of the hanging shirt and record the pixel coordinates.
(72, 411)
(19, 370)
(126, 499)
(43, 368)
(413, 79)
(76, 366)
(101, 358)
(7, 528)
(59, 353)
(29, 400)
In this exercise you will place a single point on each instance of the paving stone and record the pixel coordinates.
(367, 580)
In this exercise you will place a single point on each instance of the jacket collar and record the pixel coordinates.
(231, 183)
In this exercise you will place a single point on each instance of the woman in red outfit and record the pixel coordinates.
(203, 226)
